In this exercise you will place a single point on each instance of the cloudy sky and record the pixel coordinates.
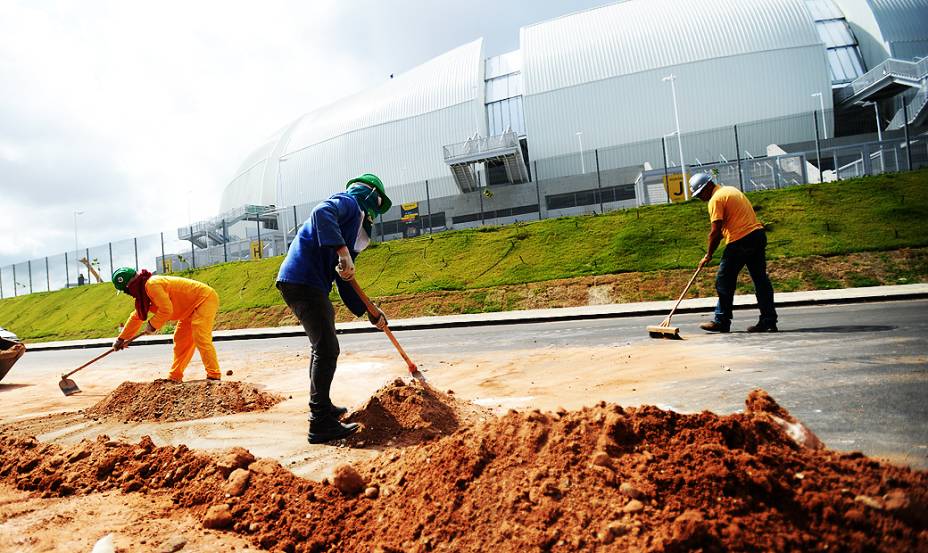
(138, 113)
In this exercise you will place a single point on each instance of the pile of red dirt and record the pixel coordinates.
(602, 478)
(403, 413)
(164, 400)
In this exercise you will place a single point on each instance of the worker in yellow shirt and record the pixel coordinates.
(192, 304)
(733, 218)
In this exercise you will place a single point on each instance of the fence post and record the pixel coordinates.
(738, 158)
(225, 239)
(258, 224)
(135, 247)
(67, 273)
(908, 143)
(48, 279)
(296, 225)
(776, 173)
(818, 149)
(162, 253)
(111, 259)
(599, 183)
(14, 281)
(29, 265)
(666, 176)
(1, 283)
(428, 203)
(87, 257)
(834, 157)
(193, 256)
(381, 228)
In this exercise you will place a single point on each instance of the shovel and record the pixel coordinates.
(372, 309)
(664, 330)
(68, 386)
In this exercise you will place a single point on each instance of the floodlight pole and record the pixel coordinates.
(879, 134)
(676, 115)
(76, 250)
(580, 141)
(821, 103)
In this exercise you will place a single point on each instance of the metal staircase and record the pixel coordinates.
(462, 157)
(886, 80)
(917, 109)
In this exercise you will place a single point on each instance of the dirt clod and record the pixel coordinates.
(348, 480)
(163, 401)
(237, 482)
(218, 517)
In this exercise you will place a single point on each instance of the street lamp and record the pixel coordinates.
(76, 250)
(821, 102)
(580, 141)
(673, 90)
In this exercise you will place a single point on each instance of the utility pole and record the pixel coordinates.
(676, 115)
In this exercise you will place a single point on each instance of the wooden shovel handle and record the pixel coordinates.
(375, 312)
(97, 358)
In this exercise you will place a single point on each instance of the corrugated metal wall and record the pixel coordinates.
(399, 152)
(727, 72)
(904, 26)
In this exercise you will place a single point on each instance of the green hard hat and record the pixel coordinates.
(122, 276)
(373, 180)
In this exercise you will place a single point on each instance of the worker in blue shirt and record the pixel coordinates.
(326, 245)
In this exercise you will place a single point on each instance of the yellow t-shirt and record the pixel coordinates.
(734, 209)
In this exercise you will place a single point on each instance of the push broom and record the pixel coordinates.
(375, 312)
(664, 330)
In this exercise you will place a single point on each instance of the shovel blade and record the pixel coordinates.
(68, 387)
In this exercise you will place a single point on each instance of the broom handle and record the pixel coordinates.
(97, 358)
(374, 311)
(685, 290)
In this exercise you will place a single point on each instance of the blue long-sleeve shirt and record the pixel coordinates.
(313, 254)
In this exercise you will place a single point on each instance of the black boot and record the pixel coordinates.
(339, 412)
(326, 428)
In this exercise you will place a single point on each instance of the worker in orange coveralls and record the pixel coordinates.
(192, 304)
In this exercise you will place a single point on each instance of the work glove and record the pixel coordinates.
(345, 267)
(120, 344)
(380, 321)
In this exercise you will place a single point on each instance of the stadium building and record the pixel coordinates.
(591, 106)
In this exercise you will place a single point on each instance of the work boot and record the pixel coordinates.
(715, 326)
(214, 378)
(338, 412)
(763, 327)
(327, 428)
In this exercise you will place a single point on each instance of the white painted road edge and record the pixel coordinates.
(657, 308)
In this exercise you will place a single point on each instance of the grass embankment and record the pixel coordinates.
(482, 266)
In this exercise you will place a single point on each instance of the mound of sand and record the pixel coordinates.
(403, 413)
(164, 401)
(602, 478)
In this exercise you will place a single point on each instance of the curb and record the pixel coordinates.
(257, 334)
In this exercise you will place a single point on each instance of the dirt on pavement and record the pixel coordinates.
(164, 400)
(600, 478)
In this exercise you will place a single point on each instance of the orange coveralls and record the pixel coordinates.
(193, 305)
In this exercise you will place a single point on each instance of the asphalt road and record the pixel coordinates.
(857, 374)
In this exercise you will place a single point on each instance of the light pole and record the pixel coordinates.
(676, 115)
(821, 103)
(76, 247)
(879, 134)
(580, 141)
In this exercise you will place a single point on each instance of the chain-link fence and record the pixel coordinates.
(759, 155)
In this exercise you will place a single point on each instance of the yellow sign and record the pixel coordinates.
(256, 249)
(409, 212)
(673, 185)
(167, 265)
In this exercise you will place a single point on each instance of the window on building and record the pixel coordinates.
(844, 60)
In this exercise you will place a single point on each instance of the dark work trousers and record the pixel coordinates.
(317, 315)
(750, 251)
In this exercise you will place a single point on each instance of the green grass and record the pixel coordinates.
(870, 214)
